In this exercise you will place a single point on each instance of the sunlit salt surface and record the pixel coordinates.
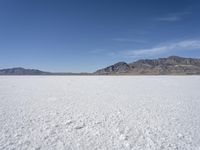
(100, 112)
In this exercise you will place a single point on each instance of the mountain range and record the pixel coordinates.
(173, 65)
(23, 71)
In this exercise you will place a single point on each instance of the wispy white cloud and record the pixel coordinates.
(97, 51)
(169, 18)
(181, 45)
(129, 40)
(173, 17)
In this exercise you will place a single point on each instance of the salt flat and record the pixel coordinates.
(100, 112)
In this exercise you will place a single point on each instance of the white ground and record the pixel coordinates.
(100, 112)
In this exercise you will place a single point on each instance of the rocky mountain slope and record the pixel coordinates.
(162, 66)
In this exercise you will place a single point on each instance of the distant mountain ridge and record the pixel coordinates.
(22, 71)
(173, 65)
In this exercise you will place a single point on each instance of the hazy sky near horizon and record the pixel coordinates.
(85, 35)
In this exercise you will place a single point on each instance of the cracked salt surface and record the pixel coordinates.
(100, 112)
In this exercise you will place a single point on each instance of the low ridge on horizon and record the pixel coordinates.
(172, 65)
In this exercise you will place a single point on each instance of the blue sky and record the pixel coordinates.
(85, 35)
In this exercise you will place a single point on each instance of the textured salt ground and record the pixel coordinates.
(100, 112)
